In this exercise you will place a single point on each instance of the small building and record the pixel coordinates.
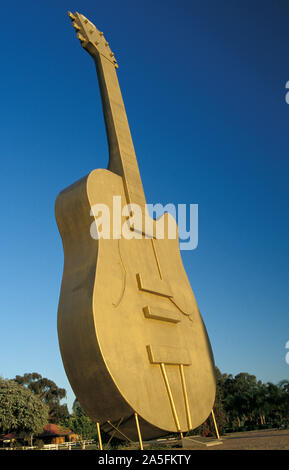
(7, 440)
(55, 434)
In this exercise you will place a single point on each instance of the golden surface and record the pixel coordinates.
(130, 332)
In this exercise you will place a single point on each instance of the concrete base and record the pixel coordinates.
(199, 441)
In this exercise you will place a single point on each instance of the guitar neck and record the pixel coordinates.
(122, 158)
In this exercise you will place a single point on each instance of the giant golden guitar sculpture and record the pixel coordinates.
(130, 332)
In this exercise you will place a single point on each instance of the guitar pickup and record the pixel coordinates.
(154, 286)
(168, 355)
(156, 313)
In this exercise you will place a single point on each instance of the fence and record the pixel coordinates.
(62, 446)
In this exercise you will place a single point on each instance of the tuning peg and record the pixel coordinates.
(106, 43)
(111, 54)
(71, 16)
(75, 25)
(100, 33)
(81, 38)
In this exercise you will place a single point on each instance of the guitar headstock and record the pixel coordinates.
(91, 38)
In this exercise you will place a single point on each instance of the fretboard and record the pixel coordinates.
(122, 158)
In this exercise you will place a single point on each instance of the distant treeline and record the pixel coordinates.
(29, 402)
(244, 403)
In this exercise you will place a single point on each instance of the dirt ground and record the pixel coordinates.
(253, 440)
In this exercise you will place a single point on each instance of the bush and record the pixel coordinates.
(39, 443)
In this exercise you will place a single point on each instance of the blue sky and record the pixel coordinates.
(204, 88)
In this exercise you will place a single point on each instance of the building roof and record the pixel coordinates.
(50, 430)
(55, 430)
(7, 437)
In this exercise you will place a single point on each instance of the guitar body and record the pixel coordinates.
(131, 335)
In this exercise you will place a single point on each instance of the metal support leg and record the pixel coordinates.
(215, 424)
(138, 431)
(114, 427)
(172, 403)
(99, 436)
(188, 412)
(112, 435)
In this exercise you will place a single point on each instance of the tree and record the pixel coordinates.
(284, 401)
(48, 392)
(218, 408)
(20, 410)
(80, 422)
(83, 425)
(240, 397)
(249, 404)
(208, 427)
(284, 385)
(260, 403)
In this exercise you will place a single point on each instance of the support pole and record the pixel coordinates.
(99, 436)
(215, 424)
(112, 435)
(172, 403)
(138, 431)
(188, 412)
(112, 425)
